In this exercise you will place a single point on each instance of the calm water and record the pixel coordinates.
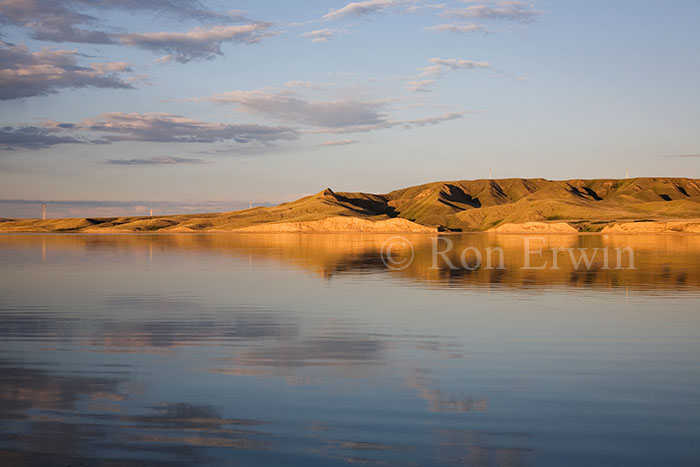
(307, 350)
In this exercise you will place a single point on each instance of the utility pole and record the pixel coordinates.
(43, 210)
(628, 174)
(489, 174)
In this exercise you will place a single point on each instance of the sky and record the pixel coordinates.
(121, 106)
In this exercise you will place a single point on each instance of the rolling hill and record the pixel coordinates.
(655, 204)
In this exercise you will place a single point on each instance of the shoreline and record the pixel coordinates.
(480, 233)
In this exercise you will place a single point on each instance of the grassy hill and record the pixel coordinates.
(470, 205)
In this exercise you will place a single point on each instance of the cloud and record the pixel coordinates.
(32, 137)
(287, 106)
(340, 142)
(390, 123)
(302, 84)
(420, 85)
(456, 28)
(505, 10)
(321, 35)
(683, 155)
(199, 43)
(52, 20)
(77, 20)
(163, 160)
(186, 9)
(428, 121)
(322, 117)
(235, 149)
(148, 127)
(171, 128)
(441, 65)
(183, 9)
(336, 116)
(361, 9)
(24, 73)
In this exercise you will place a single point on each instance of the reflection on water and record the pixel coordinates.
(307, 349)
(669, 262)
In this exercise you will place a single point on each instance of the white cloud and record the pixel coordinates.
(440, 66)
(361, 8)
(321, 35)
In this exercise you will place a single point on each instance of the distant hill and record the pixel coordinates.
(639, 204)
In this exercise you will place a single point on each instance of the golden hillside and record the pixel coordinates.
(639, 204)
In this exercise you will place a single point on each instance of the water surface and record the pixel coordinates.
(307, 350)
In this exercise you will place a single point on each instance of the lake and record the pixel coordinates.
(314, 350)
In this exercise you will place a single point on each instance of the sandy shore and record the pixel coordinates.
(536, 227)
(653, 227)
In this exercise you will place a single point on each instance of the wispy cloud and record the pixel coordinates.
(339, 142)
(199, 43)
(287, 106)
(162, 160)
(152, 127)
(361, 8)
(456, 28)
(428, 121)
(24, 73)
(322, 35)
(504, 10)
(420, 85)
(333, 116)
(78, 20)
(302, 84)
(53, 20)
(32, 137)
(439, 66)
(318, 117)
(166, 127)
(396, 123)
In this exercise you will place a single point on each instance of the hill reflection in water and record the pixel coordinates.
(662, 262)
(308, 350)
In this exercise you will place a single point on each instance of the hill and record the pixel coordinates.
(639, 204)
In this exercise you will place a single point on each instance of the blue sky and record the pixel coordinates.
(219, 104)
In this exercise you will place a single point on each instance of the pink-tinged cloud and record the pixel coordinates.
(199, 43)
(440, 66)
(24, 73)
(505, 10)
(361, 8)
